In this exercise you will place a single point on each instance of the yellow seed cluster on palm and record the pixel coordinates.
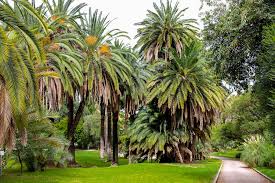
(54, 17)
(91, 40)
(104, 50)
(61, 21)
(46, 40)
(54, 47)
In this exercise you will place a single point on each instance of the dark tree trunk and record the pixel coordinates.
(115, 130)
(102, 123)
(20, 161)
(70, 129)
(73, 121)
(193, 146)
(109, 133)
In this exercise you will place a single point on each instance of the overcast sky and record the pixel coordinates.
(129, 12)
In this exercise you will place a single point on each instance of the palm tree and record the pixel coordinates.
(164, 29)
(187, 91)
(64, 12)
(150, 136)
(18, 88)
(105, 68)
(96, 36)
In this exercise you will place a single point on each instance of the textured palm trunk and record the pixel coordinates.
(178, 153)
(70, 129)
(109, 133)
(173, 122)
(115, 130)
(193, 146)
(185, 151)
(129, 155)
(73, 121)
(102, 130)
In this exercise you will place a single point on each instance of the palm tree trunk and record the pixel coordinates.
(115, 130)
(102, 130)
(73, 121)
(70, 129)
(185, 150)
(193, 146)
(178, 153)
(109, 132)
(174, 122)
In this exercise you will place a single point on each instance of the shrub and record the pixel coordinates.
(44, 144)
(257, 151)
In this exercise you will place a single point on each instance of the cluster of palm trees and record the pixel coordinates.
(55, 54)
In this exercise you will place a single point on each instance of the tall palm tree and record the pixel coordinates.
(104, 66)
(164, 29)
(18, 88)
(187, 90)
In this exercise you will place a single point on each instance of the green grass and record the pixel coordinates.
(227, 154)
(270, 172)
(92, 159)
(199, 172)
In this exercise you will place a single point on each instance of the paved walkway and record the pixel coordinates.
(234, 171)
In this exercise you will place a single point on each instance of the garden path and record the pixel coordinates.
(234, 171)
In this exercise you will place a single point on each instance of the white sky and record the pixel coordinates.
(128, 12)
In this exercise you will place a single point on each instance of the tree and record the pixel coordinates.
(19, 51)
(233, 34)
(241, 118)
(265, 77)
(186, 91)
(164, 29)
(104, 66)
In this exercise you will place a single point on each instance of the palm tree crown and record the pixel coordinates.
(186, 86)
(163, 29)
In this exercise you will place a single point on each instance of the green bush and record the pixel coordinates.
(44, 144)
(257, 151)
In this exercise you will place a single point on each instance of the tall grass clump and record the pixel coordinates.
(257, 151)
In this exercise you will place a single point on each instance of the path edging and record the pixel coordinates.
(218, 173)
(263, 175)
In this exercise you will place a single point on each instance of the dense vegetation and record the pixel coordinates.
(67, 81)
(243, 56)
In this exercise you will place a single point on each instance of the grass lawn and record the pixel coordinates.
(92, 159)
(270, 172)
(201, 172)
(228, 154)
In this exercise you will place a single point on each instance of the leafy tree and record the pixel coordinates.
(265, 80)
(240, 119)
(233, 34)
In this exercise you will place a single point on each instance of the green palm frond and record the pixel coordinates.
(164, 29)
(186, 86)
